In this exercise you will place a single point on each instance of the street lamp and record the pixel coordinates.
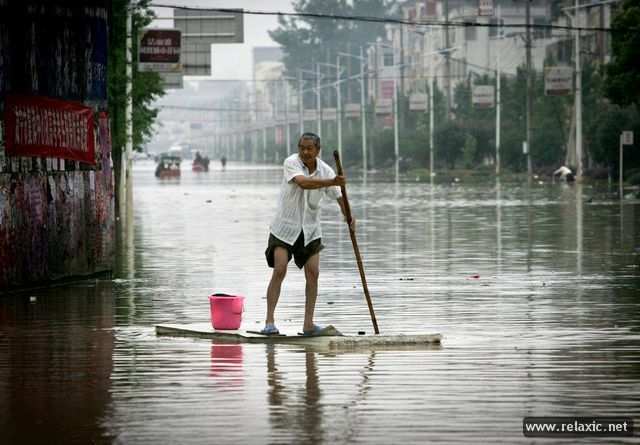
(338, 102)
(318, 76)
(363, 118)
(396, 141)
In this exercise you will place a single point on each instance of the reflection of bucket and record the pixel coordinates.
(226, 366)
(226, 311)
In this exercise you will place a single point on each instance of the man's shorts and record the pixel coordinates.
(299, 251)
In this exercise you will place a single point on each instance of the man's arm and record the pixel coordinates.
(313, 183)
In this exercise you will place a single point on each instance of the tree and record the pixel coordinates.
(623, 72)
(147, 87)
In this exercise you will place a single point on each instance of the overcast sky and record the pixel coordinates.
(233, 61)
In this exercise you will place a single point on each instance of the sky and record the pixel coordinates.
(233, 61)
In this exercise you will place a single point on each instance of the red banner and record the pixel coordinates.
(40, 126)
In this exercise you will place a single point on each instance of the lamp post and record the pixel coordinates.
(318, 76)
(363, 118)
(396, 139)
(338, 102)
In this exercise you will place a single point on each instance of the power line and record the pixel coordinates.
(391, 20)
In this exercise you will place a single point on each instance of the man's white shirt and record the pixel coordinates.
(298, 208)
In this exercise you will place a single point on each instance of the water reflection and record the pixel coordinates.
(549, 327)
(227, 365)
(55, 364)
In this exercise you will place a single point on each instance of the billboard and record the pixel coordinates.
(418, 102)
(483, 96)
(558, 80)
(384, 106)
(41, 126)
(159, 50)
(485, 7)
(329, 114)
(352, 110)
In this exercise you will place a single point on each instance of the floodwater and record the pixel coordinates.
(535, 291)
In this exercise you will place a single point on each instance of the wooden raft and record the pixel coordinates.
(333, 342)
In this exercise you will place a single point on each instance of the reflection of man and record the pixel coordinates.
(304, 418)
(295, 230)
(564, 173)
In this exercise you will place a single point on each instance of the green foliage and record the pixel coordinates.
(307, 40)
(623, 72)
(147, 87)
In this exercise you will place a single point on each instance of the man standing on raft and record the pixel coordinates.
(295, 230)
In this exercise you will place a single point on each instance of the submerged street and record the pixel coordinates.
(534, 291)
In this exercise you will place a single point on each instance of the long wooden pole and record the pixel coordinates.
(356, 250)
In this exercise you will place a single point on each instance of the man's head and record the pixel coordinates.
(308, 147)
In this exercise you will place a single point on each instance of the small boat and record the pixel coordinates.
(168, 166)
(336, 341)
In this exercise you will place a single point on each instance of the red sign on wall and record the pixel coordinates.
(40, 126)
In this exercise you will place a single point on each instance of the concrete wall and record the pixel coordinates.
(57, 217)
(55, 225)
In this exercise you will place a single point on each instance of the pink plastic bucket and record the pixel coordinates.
(226, 311)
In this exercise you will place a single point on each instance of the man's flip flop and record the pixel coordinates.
(269, 329)
(319, 331)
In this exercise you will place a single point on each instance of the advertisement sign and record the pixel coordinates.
(329, 114)
(483, 96)
(40, 126)
(558, 80)
(485, 7)
(386, 89)
(431, 10)
(384, 106)
(352, 110)
(159, 51)
(418, 102)
(309, 115)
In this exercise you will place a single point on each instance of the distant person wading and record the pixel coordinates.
(295, 230)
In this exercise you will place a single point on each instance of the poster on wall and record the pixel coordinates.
(41, 126)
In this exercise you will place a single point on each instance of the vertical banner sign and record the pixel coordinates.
(485, 7)
(483, 96)
(40, 126)
(558, 80)
(386, 89)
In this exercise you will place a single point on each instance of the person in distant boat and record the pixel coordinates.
(223, 161)
(564, 173)
(295, 230)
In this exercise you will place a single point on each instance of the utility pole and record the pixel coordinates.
(287, 146)
(300, 104)
(529, 90)
(339, 106)
(447, 55)
(125, 160)
(396, 145)
(498, 99)
(318, 102)
(363, 115)
(432, 90)
(578, 97)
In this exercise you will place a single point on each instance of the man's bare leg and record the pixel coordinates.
(280, 262)
(311, 273)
